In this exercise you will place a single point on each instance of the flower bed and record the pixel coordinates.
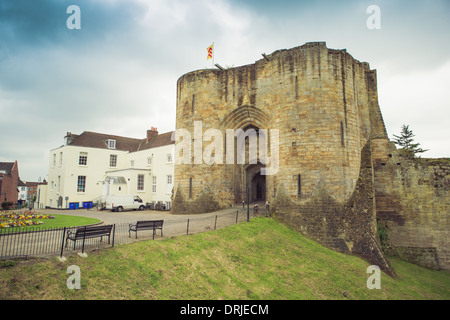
(21, 219)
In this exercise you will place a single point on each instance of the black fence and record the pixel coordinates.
(25, 242)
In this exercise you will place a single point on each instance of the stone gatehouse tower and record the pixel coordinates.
(323, 104)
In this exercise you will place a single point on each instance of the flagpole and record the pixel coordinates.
(214, 53)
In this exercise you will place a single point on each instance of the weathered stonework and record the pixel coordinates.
(330, 183)
(413, 203)
(349, 227)
(322, 101)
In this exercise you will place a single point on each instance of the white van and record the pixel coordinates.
(120, 203)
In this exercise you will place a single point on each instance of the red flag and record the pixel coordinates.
(210, 52)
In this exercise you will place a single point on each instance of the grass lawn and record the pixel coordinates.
(262, 259)
(59, 221)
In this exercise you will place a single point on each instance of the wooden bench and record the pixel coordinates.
(146, 225)
(88, 233)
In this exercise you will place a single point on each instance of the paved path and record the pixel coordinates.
(109, 217)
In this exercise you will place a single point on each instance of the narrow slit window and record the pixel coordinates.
(342, 134)
(154, 184)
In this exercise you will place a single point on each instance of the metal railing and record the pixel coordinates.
(26, 242)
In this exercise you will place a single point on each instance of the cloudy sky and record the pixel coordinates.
(118, 73)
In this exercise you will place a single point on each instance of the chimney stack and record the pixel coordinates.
(153, 132)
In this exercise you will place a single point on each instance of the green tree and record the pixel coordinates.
(406, 143)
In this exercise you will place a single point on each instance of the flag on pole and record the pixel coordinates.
(210, 52)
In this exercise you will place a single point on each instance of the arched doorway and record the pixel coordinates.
(246, 181)
(258, 187)
(253, 183)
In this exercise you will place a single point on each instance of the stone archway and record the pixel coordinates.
(246, 122)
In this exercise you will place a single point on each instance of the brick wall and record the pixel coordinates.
(9, 185)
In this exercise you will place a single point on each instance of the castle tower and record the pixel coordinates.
(321, 103)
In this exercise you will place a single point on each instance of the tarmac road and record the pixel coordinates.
(109, 217)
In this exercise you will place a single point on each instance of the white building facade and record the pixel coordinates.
(90, 166)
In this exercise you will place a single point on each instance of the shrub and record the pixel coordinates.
(7, 205)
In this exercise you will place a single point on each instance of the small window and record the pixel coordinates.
(113, 160)
(154, 184)
(169, 183)
(132, 163)
(81, 184)
(169, 158)
(111, 143)
(82, 160)
(140, 182)
(149, 160)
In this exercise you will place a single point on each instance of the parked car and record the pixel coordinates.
(120, 203)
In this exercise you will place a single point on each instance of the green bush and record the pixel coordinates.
(7, 205)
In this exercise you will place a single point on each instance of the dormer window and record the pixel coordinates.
(111, 143)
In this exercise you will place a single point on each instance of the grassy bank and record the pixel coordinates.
(262, 259)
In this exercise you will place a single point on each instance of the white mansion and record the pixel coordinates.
(92, 165)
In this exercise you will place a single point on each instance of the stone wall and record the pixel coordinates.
(349, 228)
(338, 172)
(413, 204)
